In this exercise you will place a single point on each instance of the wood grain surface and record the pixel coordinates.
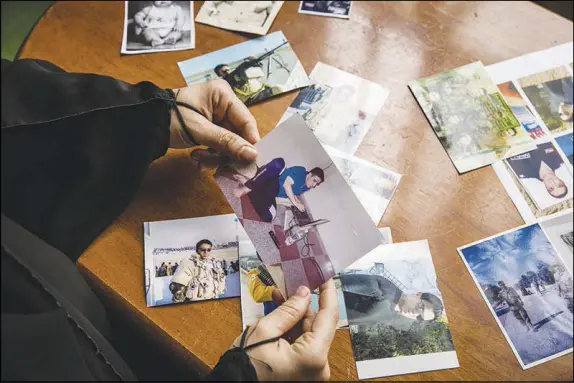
(389, 43)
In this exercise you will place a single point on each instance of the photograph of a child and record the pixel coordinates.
(243, 16)
(544, 175)
(550, 93)
(256, 69)
(158, 26)
(297, 209)
(396, 314)
(528, 290)
(195, 259)
(339, 107)
(566, 143)
(469, 115)
(373, 185)
(340, 9)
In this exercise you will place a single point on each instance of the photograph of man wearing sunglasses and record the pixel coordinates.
(199, 276)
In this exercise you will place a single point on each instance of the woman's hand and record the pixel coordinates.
(226, 126)
(306, 357)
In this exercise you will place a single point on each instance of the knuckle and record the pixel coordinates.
(227, 140)
(289, 311)
(221, 84)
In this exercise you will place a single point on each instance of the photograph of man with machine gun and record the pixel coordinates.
(247, 80)
(255, 69)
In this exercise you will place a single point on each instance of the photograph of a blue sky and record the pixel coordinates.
(510, 255)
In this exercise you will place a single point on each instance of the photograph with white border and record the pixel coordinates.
(373, 185)
(470, 117)
(193, 259)
(255, 69)
(242, 16)
(521, 199)
(339, 9)
(397, 319)
(544, 174)
(297, 208)
(158, 26)
(528, 290)
(339, 107)
(560, 232)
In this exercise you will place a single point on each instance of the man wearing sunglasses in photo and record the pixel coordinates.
(198, 277)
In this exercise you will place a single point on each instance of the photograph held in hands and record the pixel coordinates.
(243, 16)
(158, 26)
(256, 69)
(297, 208)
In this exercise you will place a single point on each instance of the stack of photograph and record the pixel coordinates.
(518, 116)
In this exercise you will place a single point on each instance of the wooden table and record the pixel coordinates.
(388, 43)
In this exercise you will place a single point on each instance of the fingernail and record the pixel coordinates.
(302, 291)
(247, 153)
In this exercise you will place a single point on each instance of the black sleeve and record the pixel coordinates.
(233, 366)
(75, 148)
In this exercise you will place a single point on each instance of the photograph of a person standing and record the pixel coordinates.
(528, 290)
(199, 276)
(190, 256)
(515, 304)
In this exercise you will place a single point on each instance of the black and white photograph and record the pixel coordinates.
(528, 290)
(194, 259)
(253, 17)
(256, 69)
(544, 174)
(297, 208)
(339, 9)
(396, 313)
(158, 26)
(373, 185)
(339, 107)
(559, 229)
